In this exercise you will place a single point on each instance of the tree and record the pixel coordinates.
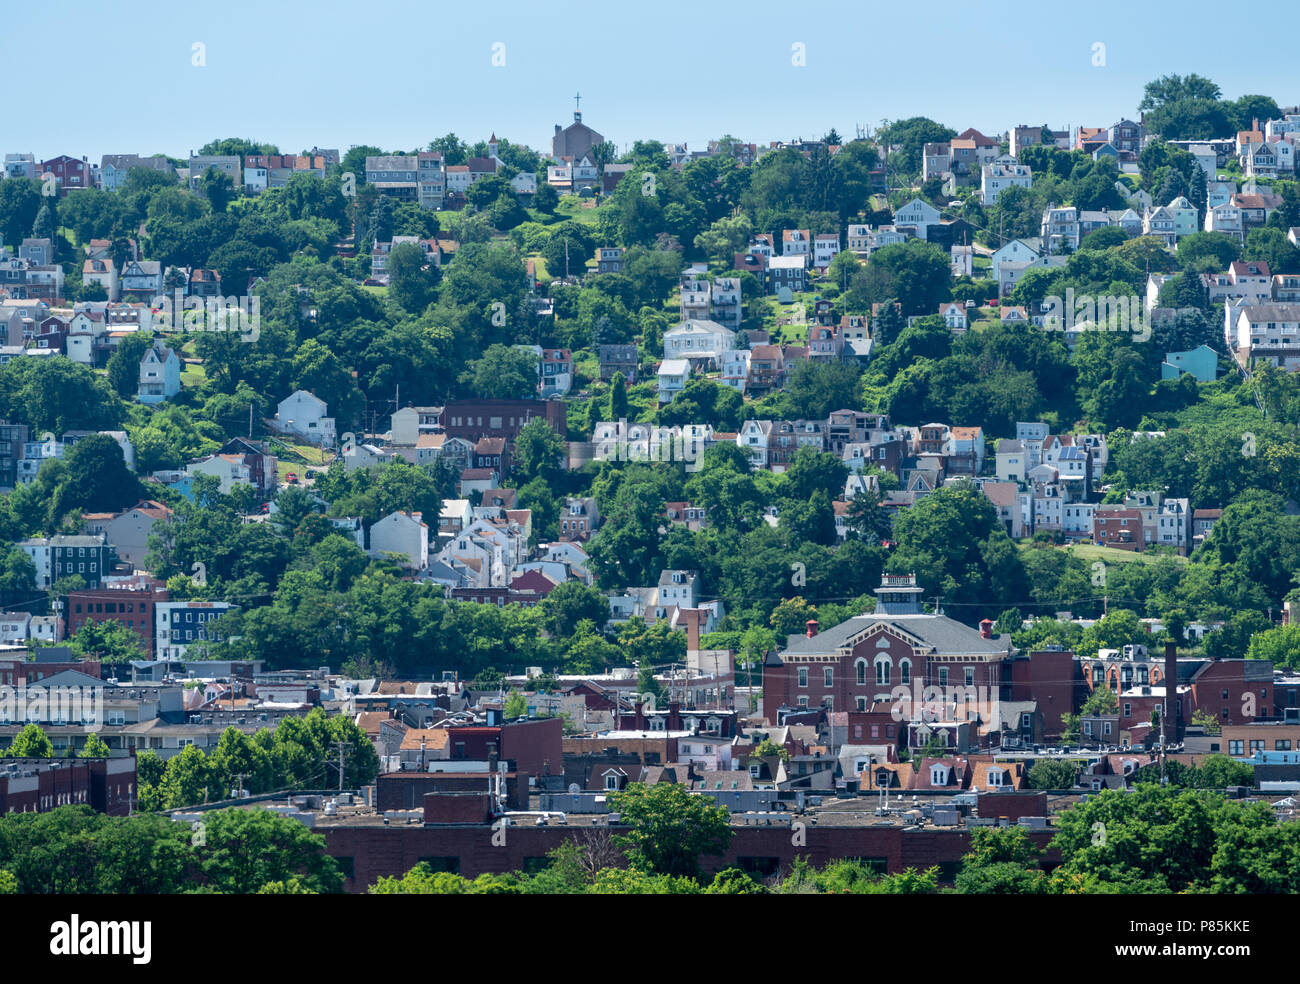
(410, 280)
(124, 363)
(1280, 645)
(546, 198)
(516, 706)
(816, 388)
(247, 849)
(20, 202)
(767, 747)
(1053, 774)
(669, 828)
(503, 372)
(911, 135)
(94, 748)
(110, 642)
(1171, 88)
(570, 603)
(218, 188)
(1272, 247)
(618, 397)
(538, 452)
(1001, 861)
(31, 742)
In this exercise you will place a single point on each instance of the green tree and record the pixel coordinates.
(1053, 774)
(516, 706)
(538, 452)
(502, 373)
(124, 363)
(411, 280)
(95, 748)
(31, 742)
(669, 829)
(246, 849)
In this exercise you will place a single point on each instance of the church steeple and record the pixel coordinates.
(577, 106)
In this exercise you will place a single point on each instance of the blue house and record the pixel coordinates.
(1202, 362)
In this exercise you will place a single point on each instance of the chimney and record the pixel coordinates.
(812, 627)
(986, 628)
(1174, 710)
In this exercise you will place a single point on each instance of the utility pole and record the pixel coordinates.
(341, 746)
(250, 419)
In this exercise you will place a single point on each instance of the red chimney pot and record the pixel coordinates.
(812, 627)
(986, 628)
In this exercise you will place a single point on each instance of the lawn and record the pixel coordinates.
(1090, 552)
(193, 374)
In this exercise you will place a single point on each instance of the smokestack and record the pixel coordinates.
(1173, 725)
(986, 628)
(812, 627)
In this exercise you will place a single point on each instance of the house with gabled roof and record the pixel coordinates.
(160, 374)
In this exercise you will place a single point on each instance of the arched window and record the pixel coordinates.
(905, 671)
(861, 667)
(883, 665)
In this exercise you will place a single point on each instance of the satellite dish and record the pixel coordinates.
(574, 789)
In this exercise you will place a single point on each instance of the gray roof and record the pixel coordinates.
(941, 634)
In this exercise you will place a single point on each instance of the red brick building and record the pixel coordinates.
(474, 419)
(131, 607)
(38, 785)
(858, 664)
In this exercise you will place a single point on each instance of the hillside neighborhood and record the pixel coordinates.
(888, 508)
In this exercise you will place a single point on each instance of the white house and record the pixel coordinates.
(699, 341)
(401, 533)
(160, 374)
(1016, 251)
(228, 469)
(1269, 332)
(917, 214)
(305, 415)
(673, 374)
(997, 178)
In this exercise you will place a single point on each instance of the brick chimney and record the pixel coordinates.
(812, 627)
(986, 628)
(693, 631)
(1173, 726)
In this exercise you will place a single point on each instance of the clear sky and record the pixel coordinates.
(93, 77)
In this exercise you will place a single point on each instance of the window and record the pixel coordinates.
(943, 676)
(861, 667)
(882, 670)
(862, 703)
(905, 671)
(830, 677)
(803, 676)
(1256, 745)
(1282, 745)
(970, 676)
(611, 782)
(1128, 710)
(1236, 747)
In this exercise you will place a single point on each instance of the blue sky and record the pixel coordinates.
(100, 77)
